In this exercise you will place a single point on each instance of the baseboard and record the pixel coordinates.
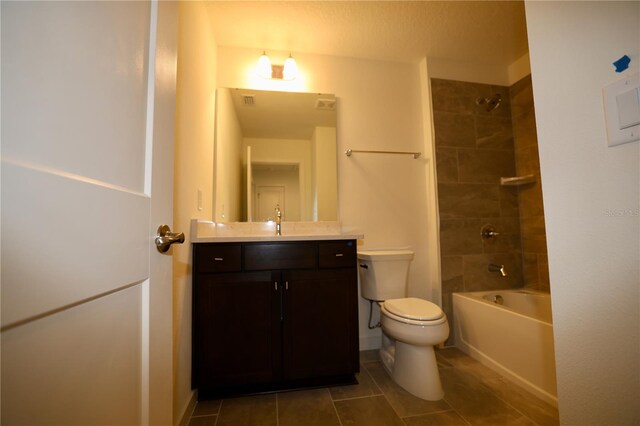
(370, 342)
(188, 412)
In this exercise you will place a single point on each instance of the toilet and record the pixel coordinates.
(411, 327)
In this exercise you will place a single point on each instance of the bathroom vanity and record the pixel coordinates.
(272, 314)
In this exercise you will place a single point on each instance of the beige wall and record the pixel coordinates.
(193, 171)
(591, 200)
(379, 108)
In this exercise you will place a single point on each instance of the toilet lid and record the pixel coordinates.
(415, 309)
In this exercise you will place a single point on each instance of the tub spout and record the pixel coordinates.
(497, 268)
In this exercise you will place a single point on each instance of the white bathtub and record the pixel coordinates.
(514, 338)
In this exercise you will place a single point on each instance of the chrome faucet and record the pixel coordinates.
(497, 268)
(278, 220)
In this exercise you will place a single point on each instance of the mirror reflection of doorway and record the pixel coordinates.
(275, 184)
(267, 198)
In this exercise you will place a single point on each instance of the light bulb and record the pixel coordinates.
(264, 66)
(290, 71)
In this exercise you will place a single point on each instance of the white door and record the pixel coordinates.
(267, 199)
(87, 157)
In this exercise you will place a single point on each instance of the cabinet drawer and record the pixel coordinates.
(218, 258)
(266, 256)
(337, 254)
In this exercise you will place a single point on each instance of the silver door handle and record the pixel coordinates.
(165, 238)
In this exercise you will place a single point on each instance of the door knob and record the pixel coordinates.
(165, 238)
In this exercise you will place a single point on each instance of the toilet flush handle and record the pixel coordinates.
(364, 266)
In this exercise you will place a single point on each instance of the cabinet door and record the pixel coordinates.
(237, 334)
(320, 323)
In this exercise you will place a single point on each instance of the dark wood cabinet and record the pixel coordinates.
(272, 316)
(237, 337)
(320, 323)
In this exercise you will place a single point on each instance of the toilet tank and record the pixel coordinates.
(384, 273)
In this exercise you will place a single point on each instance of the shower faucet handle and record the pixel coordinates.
(488, 232)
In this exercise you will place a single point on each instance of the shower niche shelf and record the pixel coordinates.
(517, 180)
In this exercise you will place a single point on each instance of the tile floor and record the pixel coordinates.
(474, 395)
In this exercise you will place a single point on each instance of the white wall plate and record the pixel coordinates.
(622, 110)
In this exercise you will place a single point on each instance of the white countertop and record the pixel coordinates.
(276, 238)
(203, 231)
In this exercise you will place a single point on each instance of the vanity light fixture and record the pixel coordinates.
(264, 66)
(288, 71)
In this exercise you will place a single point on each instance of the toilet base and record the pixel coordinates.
(414, 368)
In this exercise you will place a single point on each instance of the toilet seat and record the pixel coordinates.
(411, 310)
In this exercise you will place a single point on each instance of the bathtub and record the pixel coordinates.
(511, 332)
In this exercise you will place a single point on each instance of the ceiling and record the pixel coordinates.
(282, 115)
(491, 32)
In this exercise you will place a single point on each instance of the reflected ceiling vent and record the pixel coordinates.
(326, 104)
(248, 100)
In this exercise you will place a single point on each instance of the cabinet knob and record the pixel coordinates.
(339, 254)
(218, 259)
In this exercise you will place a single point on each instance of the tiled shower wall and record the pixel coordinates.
(474, 149)
(535, 267)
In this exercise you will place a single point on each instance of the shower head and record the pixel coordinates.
(490, 103)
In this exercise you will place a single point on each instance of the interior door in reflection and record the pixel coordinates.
(267, 198)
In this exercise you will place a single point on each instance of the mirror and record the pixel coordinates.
(275, 149)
